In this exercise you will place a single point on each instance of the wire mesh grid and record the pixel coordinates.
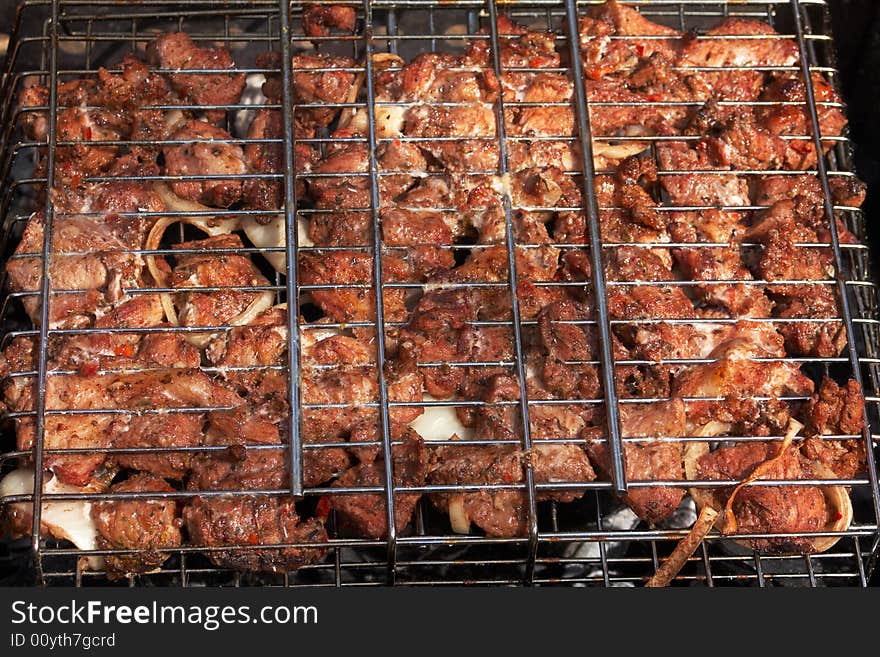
(589, 541)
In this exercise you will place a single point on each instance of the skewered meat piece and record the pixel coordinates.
(501, 512)
(176, 51)
(783, 261)
(794, 120)
(604, 55)
(87, 255)
(752, 44)
(224, 271)
(318, 20)
(142, 525)
(250, 520)
(655, 460)
(205, 154)
(771, 509)
(365, 514)
(836, 410)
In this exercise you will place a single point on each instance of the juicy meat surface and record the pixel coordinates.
(251, 521)
(205, 154)
(176, 51)
(659, 459)
(318, 20)
(143, 526)
(769, 509)
(365, 514)
(139, 393)
(502, 512)
(88, 255)
(222, 270)
(836, 410)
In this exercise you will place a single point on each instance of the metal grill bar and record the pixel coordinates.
(843, 294)
(603, 318)
(379, 283)
(513, 280)
(292, 243)
(42, 362)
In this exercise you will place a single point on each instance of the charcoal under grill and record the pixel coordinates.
(592, 541)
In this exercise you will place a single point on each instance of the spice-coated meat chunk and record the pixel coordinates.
(208, 84)
(365, 514)
(207, 152)
(143, 526)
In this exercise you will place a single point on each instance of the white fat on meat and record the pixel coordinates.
(65, 519)
(440, 423)
(273, 235)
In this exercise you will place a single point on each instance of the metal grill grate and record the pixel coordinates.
(583, 542)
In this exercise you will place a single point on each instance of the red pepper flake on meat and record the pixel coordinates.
(90, 368)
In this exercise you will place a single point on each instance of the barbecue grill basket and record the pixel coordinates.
(592, 541)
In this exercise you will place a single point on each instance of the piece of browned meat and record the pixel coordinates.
(354, 300)
(769, 509)
(88, 260)
(790, 117)
(365, 514)
(256, 522)
(318, 20)
(657, 459)
(147, 527)
(498, 512)
(727, 393)
(226, 275)
(750, 45)
(207, 81)
(791, 268)
(205, 153)
(319, 81)
(180, 393)
(610, 39)
(835, 411)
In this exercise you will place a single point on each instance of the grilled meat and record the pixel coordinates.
(205, 83)
(318, 20)
(205, 154)
(365, 514)
(141, 525)
(836, 410)
(689, 266)
(658, 459)
(769, 509)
